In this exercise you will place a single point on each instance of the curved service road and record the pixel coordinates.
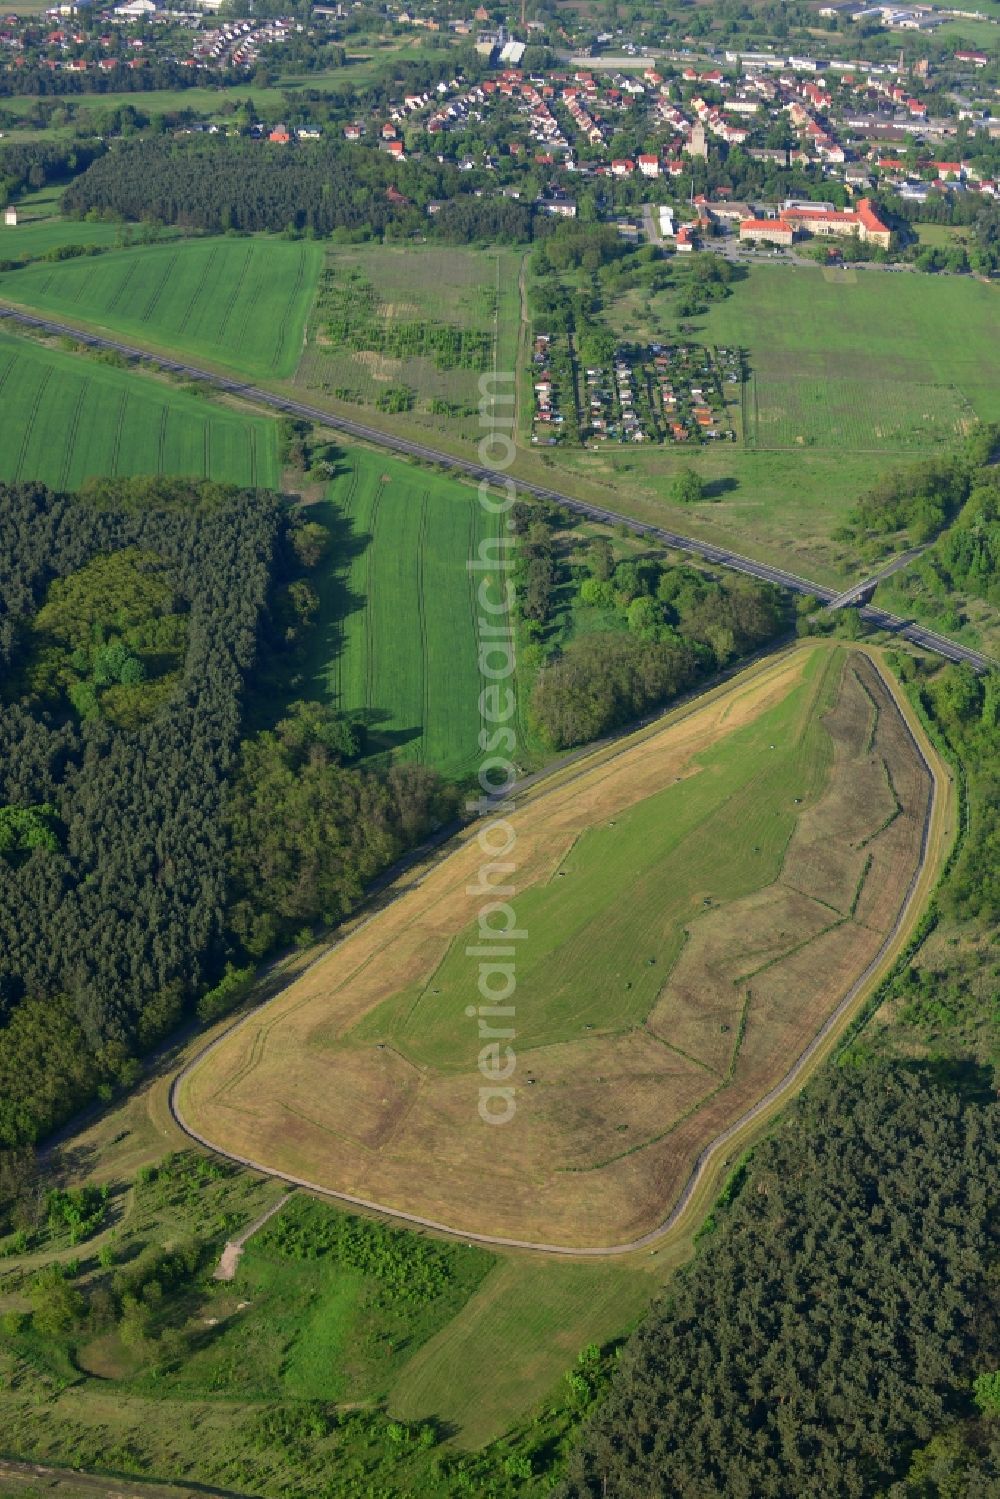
(720, 556)
(781, 1091)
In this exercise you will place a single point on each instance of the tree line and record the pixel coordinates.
(834, 1317)
(157, 73)
(308, 187)
(148, 846)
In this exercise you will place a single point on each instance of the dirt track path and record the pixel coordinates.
(797, 1074)
(233, 1252)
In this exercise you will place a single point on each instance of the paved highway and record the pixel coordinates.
(719, 556)
(862, 592)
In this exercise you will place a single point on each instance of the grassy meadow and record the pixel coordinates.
(64, 419)
(367, 346)
(395, 642)
(863, 359)
(236, 302)
(852, 374)
(711, 975)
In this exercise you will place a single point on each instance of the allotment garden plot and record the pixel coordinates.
(411, 330)
(64, 419)
(695, 906)
(239, 302)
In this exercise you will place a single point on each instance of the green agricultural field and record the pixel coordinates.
(236, 302)
(39, 232)
(64, 419)
(409, 331)
(396, 638)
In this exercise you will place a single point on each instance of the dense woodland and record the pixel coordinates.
(144, 843)
(834, 1319)
(614, 637)
(837, 1333)
(28, 165)
(963, 563)
(923, 497)
(310, 187)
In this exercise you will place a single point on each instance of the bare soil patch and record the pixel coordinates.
(608, 1123)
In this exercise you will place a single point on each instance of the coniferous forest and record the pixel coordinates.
(831, 1324)
(144, 842)
(316, 187)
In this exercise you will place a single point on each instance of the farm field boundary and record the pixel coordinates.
(63, 419)
(708, 551)
(241, 302)
(875, 911)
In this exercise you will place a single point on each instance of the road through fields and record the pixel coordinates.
(719, 556)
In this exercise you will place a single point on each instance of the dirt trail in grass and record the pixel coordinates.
(233, 1252)
(430, 892)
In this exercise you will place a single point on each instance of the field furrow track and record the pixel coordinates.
(279, 347)
(880, 619)
(84, 283)
(5, 372)
(29, 425)
(74, 427)
(120, 290)
(249, 310)
(234, 295)
(199, 286)
(157, 293)
(161, 446)
(116, 448)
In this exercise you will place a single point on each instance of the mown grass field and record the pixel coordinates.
(743, 864)
(869, 372)
(415, 286)
(396, 641)
(501, 1352)
(876, 361)
(64, 419)
(236, 302)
